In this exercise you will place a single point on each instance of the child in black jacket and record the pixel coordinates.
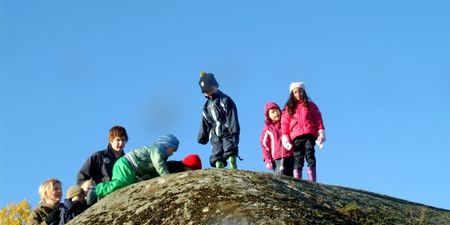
(220, 124)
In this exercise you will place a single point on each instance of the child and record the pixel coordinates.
(275, 156)
(220, 123)
(190, 162)
(47, 212)
(302, 128)
(99, 166)
(74, 204)
(141, 163)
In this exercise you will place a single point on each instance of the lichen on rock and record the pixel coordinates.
(221, 196)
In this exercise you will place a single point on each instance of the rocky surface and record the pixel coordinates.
(225, 196)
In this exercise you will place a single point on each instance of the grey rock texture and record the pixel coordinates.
(222, 196)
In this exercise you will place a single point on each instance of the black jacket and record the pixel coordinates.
(220, 118)
(98, 166)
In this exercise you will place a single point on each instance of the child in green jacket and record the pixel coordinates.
(140, 164)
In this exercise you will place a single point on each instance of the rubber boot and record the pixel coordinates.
(232, 161)
(312, 174)
(298, 173)
(219, 164)
(91, 196)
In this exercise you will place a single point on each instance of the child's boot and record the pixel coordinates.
(91, 196)
(312, 174)
(298, 173)
(219, 164)
(232, 161)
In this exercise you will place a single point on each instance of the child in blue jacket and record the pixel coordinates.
(74, 204)
(140, 164)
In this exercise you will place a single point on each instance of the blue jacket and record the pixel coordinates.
(70, 210)
(220, 118)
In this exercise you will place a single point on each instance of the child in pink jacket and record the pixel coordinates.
(302, 127)
(275, 156)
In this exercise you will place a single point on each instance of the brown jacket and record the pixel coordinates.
(37, 215)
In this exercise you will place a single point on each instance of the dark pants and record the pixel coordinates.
(222, 148)
(288, 164)
(304, 147)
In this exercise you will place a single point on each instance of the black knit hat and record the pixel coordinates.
(207, 81)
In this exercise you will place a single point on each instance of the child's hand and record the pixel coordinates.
(203, 141)
(269, 166)
(286, 143)
(319, 144)
(321, 139)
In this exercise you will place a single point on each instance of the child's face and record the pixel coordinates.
(78, 198)
(118, 143)
(297, 92)
(209, 92)
(170, 151)
(55, 194)
(274, 115)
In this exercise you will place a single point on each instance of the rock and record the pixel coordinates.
(222, 196)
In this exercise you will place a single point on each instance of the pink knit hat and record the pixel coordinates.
(296, 85)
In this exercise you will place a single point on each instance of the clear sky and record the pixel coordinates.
(378, 70)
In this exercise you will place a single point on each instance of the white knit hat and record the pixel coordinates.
(296, 85)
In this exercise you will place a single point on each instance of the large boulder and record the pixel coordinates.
(222, 196)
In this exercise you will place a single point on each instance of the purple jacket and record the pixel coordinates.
(271, 138)
(306, 120)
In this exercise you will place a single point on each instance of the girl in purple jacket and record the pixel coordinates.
(302, 127)
(275, 156)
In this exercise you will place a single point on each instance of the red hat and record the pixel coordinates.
(193, 161)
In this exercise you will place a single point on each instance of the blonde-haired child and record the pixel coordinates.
(47, 210)
(74, 204)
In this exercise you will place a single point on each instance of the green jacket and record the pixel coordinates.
(149, 161)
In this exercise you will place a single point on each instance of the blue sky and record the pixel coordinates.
(378, 70)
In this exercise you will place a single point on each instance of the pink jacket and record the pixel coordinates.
(271, 138)
(306, 120)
